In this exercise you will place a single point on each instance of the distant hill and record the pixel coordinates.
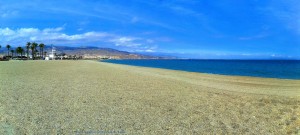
(96, 52)
(91, 52)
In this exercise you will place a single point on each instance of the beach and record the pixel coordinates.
(91, 97)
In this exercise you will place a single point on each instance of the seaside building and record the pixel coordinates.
(52, 54)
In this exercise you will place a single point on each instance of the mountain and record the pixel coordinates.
(97, 53)
(91, 52)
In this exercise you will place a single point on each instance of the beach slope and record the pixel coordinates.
(89, 97)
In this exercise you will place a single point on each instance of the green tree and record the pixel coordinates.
(17, 51)
(41, 45)
(12, 53)
(37, 53)
(8, 48)
(27, 49)
(33, 49)
(20, 51)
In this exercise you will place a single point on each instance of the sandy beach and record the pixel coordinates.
(89, 97)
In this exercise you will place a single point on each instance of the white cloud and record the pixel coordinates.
(126, 41)
(49, 30)
(7, 13)
(258, 36)
(185, 11)
(56, 36)
(47, 35)
(150, 40)
(148, 49)
(6, 32)
(134, 19)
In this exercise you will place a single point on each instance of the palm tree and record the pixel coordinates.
(8, 48)
(37, 53)
(45, 53)
(17, 51)
(20, 51)
(42, 49)
(33, 49)
(12, 53)
(27, 49)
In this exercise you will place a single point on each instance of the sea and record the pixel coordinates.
(283, 69)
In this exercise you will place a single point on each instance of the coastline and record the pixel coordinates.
(206, 78)
(285, 69)
(67, 96)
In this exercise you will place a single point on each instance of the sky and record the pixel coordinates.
(204, 29)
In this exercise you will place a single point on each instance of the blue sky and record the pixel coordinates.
(235, 29)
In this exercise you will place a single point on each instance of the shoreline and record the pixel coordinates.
(204, 72)
(259, 70)
(64, 97)
(188, 75)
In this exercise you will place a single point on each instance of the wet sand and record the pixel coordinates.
(88, 97)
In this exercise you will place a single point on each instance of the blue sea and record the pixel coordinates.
(283, 69)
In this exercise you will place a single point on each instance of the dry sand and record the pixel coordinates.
(88, 97)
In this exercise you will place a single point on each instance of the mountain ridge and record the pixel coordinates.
(91, 52)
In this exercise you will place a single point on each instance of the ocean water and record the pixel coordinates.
(283, 69)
